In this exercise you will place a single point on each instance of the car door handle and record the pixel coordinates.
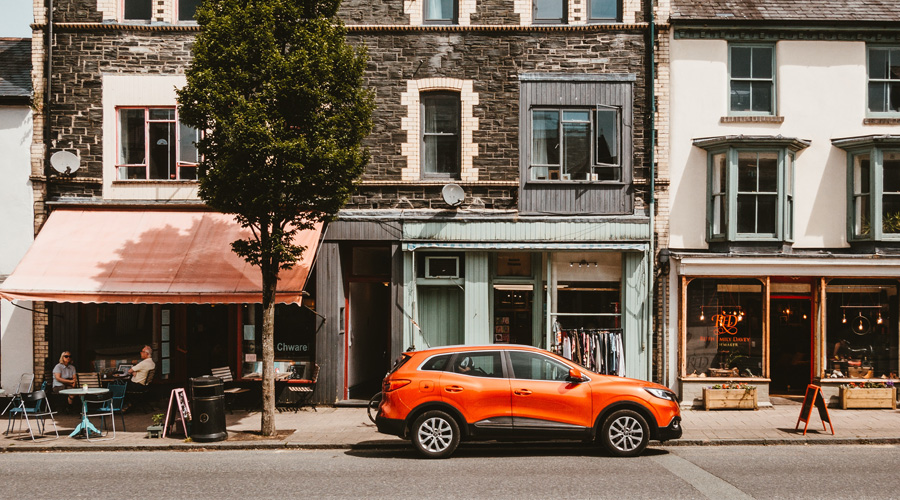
(522, 392)
(453, 388)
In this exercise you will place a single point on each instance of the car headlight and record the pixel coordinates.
(661, 393)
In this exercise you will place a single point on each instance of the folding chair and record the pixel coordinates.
(26, 384)
(35, 406)
(107, 405)
(231, 393)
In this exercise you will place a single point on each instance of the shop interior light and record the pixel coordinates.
(879, 320)
(844, 318)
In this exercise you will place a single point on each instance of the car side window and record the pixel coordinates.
(479, 364)
(533, 366)
(437, 363)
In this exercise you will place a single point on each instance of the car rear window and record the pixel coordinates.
(437, 363)
(400, 362)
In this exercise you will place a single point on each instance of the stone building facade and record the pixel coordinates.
(505, 241)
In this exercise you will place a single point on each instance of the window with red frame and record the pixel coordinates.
(153, 145)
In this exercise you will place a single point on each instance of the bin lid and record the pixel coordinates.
(206, 380)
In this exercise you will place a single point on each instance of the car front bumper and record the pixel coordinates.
(671, 431)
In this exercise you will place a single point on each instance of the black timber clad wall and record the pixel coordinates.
(329, 339)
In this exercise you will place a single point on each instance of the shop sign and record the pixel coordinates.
(285, 347)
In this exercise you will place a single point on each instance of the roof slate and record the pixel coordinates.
(786, 10)
(15, 67)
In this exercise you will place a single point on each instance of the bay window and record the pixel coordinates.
(873, 185)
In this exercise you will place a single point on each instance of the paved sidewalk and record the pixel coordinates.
(345, 428)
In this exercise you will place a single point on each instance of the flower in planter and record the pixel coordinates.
(734, 385)
(869, 385)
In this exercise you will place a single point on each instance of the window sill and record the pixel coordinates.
(882, 121)
(143, 182)
(575, 183)
(752, 119)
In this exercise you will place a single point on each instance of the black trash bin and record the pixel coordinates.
(208, 412)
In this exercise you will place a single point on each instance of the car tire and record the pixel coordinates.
(625, 433)
(435, 434)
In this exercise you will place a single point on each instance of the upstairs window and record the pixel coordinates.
(750, 187)
(549, 11)
(153, 145)
(603, 10)
(873, 187)
(138, 10)
(441, 11)
(575, 144)
(187, 9)
(440, 134)
(884, 80)
(752, 79)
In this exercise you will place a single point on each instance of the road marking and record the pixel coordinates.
(707, 484)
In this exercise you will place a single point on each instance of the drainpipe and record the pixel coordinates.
(651, 106)
(47, 127)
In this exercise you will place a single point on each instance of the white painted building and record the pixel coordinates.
(16, 203)
(784, 229)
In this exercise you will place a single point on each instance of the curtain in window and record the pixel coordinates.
(441, 315)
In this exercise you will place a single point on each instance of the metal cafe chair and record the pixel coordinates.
(35, 406)
(104, 408)
(26, 383)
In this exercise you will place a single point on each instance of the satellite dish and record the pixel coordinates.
(64, 162)
(453, 194)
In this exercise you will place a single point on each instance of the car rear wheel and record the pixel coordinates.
(435, 434)
(625, 433)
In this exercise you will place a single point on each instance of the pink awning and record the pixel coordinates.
(147, 256)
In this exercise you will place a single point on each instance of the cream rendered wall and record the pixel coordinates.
(137, 90)
(17, 206)
(821, 93)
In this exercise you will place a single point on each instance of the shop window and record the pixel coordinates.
(750, 188)
(441, 265)
(441, 11)
(603, 10)
(861, 329)
(884, 80)
(114, 334)
(873, 187)
(724, 328)
(440, 134)
(138, 10)
(549, 11)
(575, 144)
(588, 291)
(154, 145)
(513, 306)
(752, 79)
(294, 340)
(187, 9)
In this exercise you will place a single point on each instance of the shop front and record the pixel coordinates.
(745, 319)
(114, 280)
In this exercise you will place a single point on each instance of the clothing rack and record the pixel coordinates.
(597, 349)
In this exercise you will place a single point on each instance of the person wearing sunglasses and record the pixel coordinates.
(64, 375)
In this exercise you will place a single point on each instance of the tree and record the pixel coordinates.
(279, 96)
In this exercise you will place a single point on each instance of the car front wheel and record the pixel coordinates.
(625, 433)
(435, 434)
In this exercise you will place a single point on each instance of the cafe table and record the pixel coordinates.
(85, 424)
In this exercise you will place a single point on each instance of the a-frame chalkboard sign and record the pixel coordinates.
(814, 397)
(179, 398)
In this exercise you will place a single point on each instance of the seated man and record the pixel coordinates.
(140, 371)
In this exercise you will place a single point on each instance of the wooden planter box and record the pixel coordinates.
(729, 399)
(869, 398)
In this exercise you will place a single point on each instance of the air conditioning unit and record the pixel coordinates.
(441, 267)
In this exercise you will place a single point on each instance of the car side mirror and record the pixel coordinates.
(576, 376)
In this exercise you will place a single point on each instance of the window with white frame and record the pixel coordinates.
(549, 11)
(440, 134)
(884, 80)
(751, 79)
(441, 11)
(873, 187)
(153, 145)
(572, 144)
(137, 10)
(603, 10)
(750, 187)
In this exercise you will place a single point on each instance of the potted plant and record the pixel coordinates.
(730, 396)
(155, 430)
(869, 395)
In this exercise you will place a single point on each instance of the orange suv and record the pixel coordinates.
(438, 397)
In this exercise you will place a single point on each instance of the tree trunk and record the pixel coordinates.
(269, 285)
